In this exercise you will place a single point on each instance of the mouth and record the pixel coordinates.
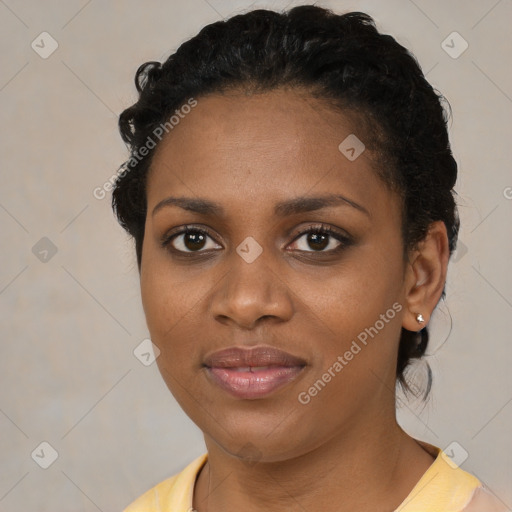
(251, 373)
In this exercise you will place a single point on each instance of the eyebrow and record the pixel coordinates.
(282, 209)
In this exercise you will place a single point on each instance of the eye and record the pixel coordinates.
(190, 239)
(321, 238)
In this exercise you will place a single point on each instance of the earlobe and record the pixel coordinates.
(419, 318)
(426, 277)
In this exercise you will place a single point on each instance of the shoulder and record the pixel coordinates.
(153, 498)
(483, 501)
(446, 486)
(174, 493)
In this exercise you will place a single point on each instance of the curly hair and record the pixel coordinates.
(339, 58)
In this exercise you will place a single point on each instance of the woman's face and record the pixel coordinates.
(256, 177)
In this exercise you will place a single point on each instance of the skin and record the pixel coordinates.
(344, 449)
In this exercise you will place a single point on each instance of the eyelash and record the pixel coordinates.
(321, 229)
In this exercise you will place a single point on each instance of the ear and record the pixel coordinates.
(425, 276)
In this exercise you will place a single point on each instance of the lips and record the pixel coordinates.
(251, 373)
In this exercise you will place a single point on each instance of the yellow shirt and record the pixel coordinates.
(444, 487)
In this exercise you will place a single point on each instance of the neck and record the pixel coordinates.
(365, 472)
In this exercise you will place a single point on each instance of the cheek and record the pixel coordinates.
(171, 305)
(355, 293)
(360, 302)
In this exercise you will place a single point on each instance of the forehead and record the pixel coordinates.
(261, 146)
(287, 119)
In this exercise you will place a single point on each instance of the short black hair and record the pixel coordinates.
(340, 58)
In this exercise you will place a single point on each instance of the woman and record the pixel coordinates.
(290, 193)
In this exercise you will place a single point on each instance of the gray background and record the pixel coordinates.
(71, 320)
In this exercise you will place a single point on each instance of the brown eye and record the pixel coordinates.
(318, 241)
(190, 240)
(194, 240)
(321, 239)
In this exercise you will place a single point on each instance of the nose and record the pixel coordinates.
(252, 292)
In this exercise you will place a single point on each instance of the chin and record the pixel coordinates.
(256, 437)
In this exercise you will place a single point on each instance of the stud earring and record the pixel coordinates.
(419, 318)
